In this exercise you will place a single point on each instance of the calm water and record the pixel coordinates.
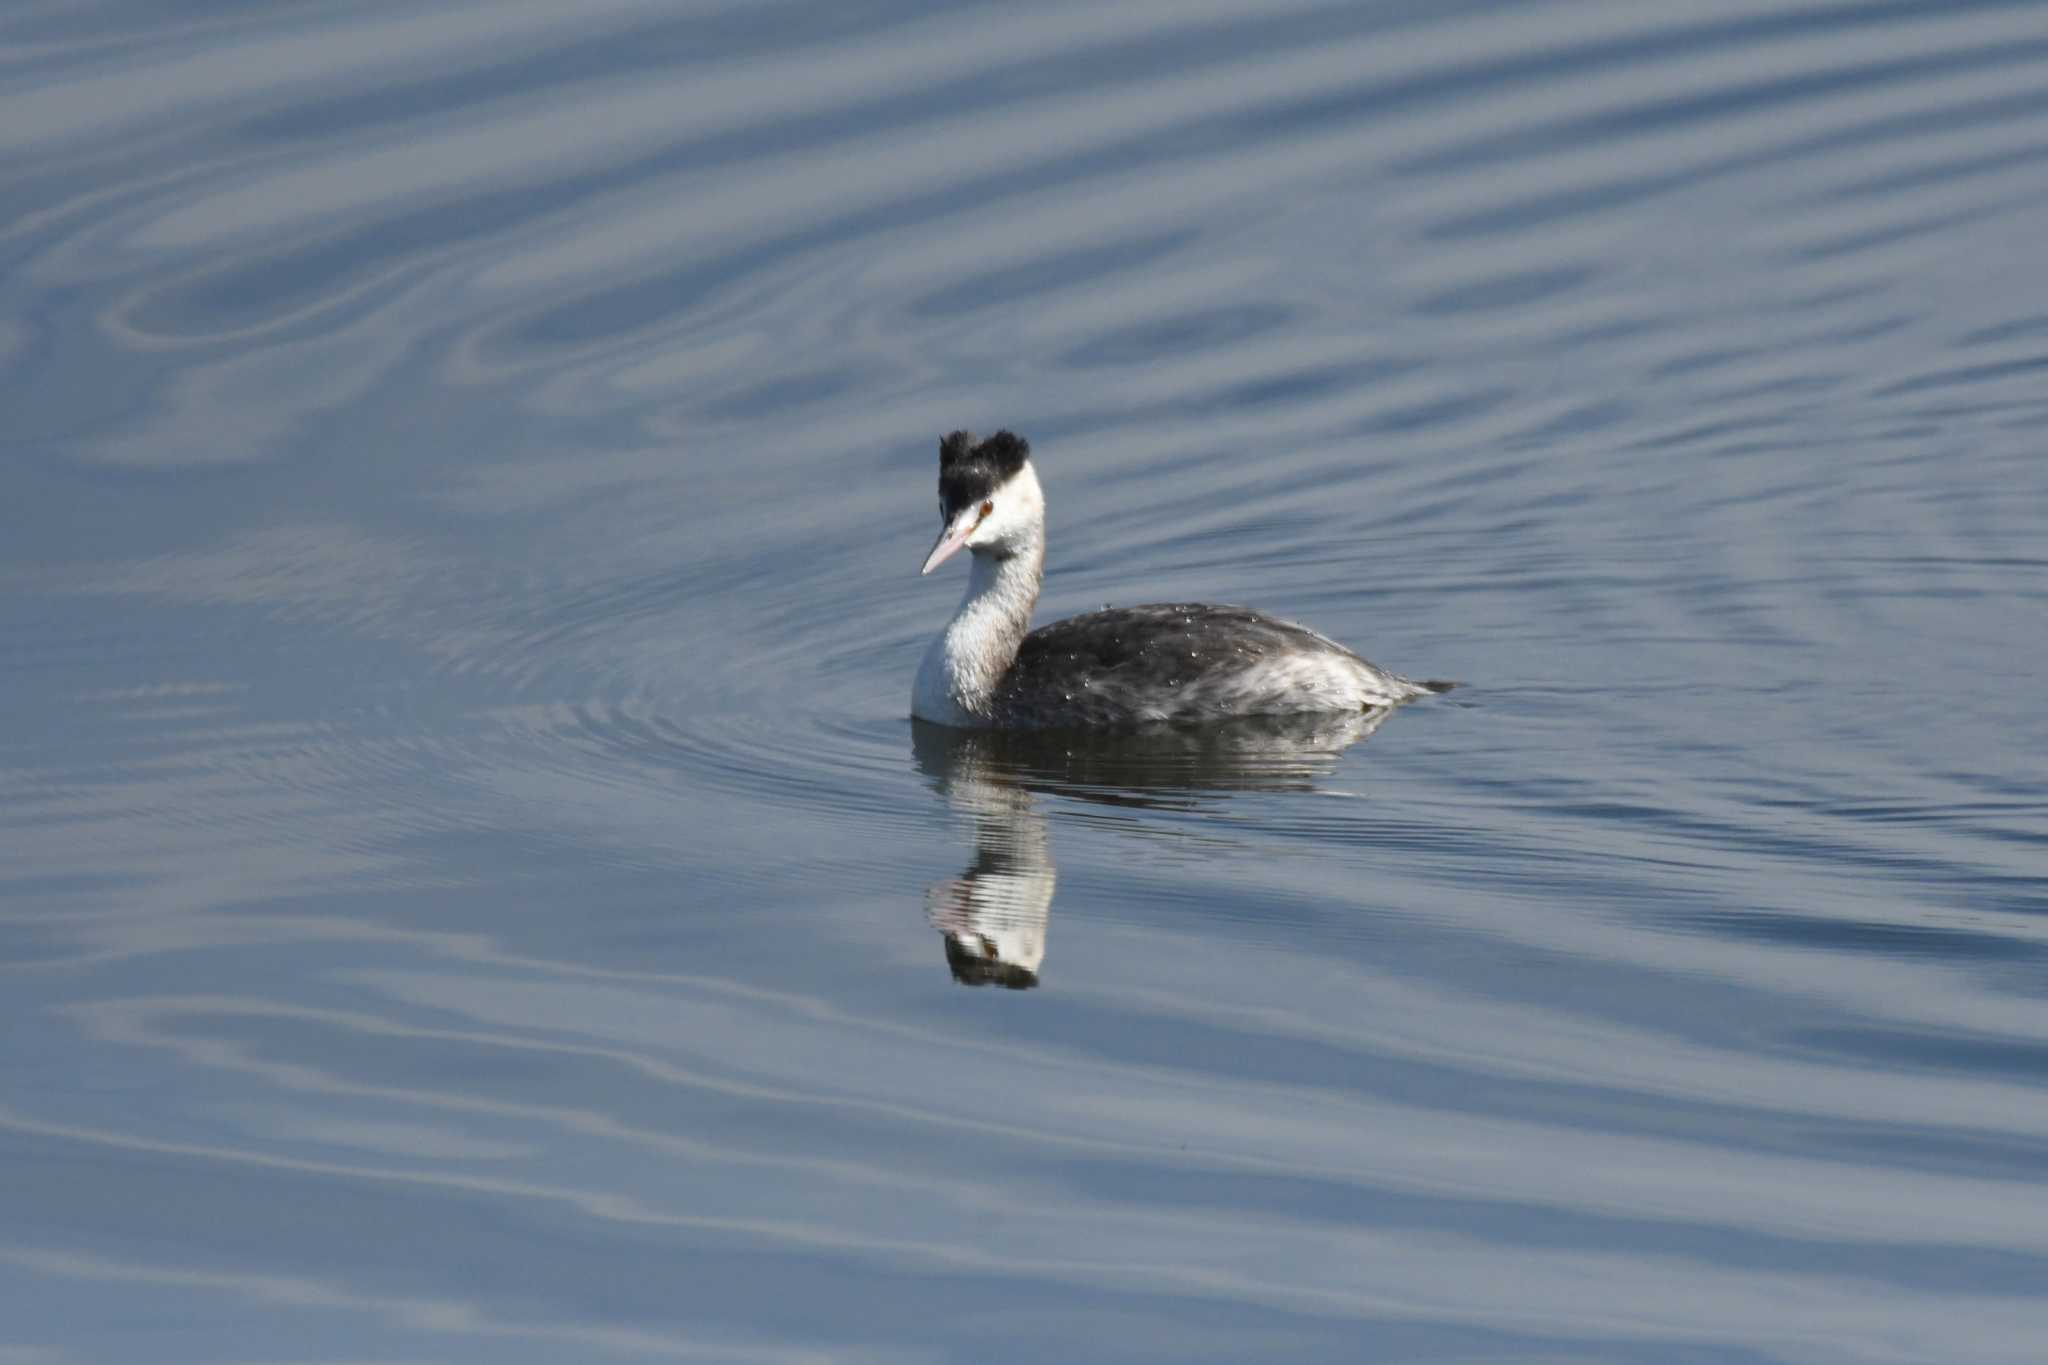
(471, 890)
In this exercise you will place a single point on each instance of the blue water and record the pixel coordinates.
(470, 889)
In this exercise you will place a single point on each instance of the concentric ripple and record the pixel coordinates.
(472, 890)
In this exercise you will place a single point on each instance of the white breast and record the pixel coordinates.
(932, 696)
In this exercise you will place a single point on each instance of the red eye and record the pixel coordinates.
(987, 508)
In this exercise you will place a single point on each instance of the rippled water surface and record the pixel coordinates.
(471, 890)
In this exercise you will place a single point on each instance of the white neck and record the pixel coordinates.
(957, 681)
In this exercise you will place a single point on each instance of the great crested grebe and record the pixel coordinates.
(1109, 669)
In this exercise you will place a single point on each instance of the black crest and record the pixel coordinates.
(970, 970)
(970, 471)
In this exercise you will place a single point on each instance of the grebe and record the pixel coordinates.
(1109, 669)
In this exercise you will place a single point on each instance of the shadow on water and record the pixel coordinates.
(993, 915)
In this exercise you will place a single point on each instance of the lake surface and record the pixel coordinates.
(470, 890)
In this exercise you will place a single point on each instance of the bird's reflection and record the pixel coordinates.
(993, 916)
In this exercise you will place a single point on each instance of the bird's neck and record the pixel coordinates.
(980, 643)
